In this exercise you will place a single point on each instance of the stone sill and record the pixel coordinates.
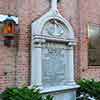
(58, 88)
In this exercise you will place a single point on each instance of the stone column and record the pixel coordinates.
(70, 62)
(36, 78)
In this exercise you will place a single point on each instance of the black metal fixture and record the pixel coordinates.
(9, 31)
(8, 40)
(57, 1)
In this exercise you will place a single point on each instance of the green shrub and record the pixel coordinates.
(23, 93)
(90, 87)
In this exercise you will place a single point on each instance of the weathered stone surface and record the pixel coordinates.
(53, 63)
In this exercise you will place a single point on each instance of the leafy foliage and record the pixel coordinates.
(23, 93)
(89, 87)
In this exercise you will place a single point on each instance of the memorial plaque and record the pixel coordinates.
(53, 64)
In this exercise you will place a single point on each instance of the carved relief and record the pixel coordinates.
(55, 28)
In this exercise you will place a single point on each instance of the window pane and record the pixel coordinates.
(94, 45)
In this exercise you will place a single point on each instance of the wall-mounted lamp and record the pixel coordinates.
(9, 26)
(8, 29)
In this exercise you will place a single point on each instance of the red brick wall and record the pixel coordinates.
(7, 55)
(26, 15)
(89, 13)
(27, 11)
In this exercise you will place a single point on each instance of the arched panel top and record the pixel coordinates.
(52, 24)
(57, 27)
(39, 25)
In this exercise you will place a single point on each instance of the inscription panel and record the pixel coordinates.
(54, 64)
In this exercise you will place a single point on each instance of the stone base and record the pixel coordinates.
(61, 92)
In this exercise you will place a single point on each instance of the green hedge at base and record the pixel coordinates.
(23, 93)
(90, 87)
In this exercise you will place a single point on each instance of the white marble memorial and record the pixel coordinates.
(52, 55)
